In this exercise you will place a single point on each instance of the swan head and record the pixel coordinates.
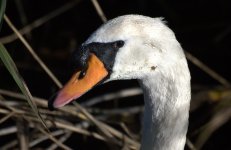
(127, 47)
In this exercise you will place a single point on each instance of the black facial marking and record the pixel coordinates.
(106, 52)
(80, 58)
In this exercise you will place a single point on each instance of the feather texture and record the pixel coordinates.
(152, 55)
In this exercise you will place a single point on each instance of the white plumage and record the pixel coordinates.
(152, 55)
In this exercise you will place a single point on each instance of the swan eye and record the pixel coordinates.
(119, 44)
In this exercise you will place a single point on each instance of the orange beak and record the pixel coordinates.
(76, 87)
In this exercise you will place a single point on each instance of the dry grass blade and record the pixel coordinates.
(79, 130)
(91, 118)
(112, 96)
(55, 140)
(22, 133)
(126, 129)
(99, 10)
(40, 21)
(2, 10)
(70, 127)
(190, 145)
(6, 117)
(208, 70)
(30, 49)
(9, 63)
(9, 145)
(61, 139)
(109, 131)
(221, 115)
(44, 137)
(120, 135)
(4, 111)
(8, 130)
(21, 12)
(217, 121)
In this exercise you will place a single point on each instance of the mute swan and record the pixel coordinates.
(143, 48)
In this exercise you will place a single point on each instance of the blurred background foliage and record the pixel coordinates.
(54, 29)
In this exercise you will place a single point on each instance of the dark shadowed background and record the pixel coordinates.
(202, 27)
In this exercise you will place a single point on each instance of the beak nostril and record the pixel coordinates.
(83, 72)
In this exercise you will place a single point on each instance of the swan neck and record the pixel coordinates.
(166, 111)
